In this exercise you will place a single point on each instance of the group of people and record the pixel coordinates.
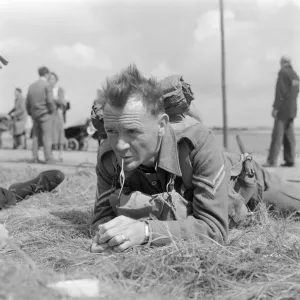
(46, 105)
(161, 175)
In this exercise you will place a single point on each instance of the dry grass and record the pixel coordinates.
(260, 261)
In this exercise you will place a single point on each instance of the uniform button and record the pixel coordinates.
(154, 182)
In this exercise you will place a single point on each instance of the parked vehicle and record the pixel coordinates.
(78, 136)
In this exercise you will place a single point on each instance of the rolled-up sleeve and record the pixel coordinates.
(210, 199)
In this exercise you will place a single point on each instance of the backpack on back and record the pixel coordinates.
(177, 95)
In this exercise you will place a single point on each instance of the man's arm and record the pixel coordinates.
(61, 97)
(49, 99)
(27, 104)
(210, 198)
(103, 211)
(282, 87)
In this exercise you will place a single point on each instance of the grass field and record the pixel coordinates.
(51, 236)
(260, 260)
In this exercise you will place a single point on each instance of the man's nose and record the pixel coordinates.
(122, 145)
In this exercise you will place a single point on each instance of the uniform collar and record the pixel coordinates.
(168, 156)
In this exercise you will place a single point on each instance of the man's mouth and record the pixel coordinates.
(126, 157)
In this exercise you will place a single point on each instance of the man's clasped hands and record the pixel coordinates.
(118, 235)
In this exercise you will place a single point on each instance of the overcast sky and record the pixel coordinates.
(84, 41)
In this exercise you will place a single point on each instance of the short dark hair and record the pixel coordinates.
(130, 82)
(54, 74)
(43, 71)
(18, 90)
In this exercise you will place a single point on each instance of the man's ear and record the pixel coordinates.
(163, 122)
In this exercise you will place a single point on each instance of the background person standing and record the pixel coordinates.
(58, 131)
(19, 116)
(40, 106)
(284, 112)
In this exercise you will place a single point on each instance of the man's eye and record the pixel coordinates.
(132, 131)
(111, 131)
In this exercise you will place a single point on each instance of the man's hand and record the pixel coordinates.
(274, 113)
(119, 234)
(98, 248)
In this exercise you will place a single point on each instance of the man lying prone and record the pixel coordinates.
(157, 180)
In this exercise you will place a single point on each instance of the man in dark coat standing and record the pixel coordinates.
(284, 112)
(40, 107)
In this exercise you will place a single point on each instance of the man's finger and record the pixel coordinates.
(96, 238)
(109, 234)
(101, 229)
(124, 246)
(99, 248)
(117, 240)
(110, 224)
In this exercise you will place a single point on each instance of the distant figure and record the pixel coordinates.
(2, 117)
(19, 117)
(284, 113)
(40, 107)
(58, 132)
(3, 61)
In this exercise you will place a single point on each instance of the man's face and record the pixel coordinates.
(52, 79)
(133, 133)
(47, 76)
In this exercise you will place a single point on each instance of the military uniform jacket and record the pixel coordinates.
(202, 179)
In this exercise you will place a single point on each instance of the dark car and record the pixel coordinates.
(78, 136)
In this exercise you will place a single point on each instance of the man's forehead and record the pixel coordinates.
(133, 106)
